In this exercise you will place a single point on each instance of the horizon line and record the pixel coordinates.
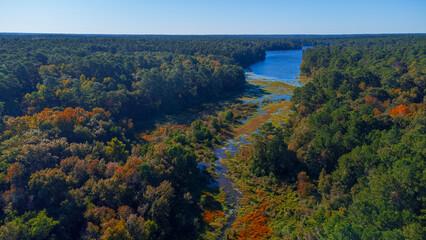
(213, 34)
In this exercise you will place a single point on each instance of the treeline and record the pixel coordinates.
(353, 150)
(147, 74)
(136, 77)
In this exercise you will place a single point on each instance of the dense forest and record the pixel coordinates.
(362, 121)
(74, 165)
(348, 163)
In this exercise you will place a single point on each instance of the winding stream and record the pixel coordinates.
(279, 66)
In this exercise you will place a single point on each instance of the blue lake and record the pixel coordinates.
(279, 65)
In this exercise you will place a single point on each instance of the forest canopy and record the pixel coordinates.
(74, 164)
(354, 147)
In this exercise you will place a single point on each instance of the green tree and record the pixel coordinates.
(228, 116)
(271, 155)
(29, 226)
(116, 151)
(41, 226)
(49, 187)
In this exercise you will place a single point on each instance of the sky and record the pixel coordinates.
(203, 17)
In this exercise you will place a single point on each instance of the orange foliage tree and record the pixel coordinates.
(304, 187)
(14, 174)
(64, 120)
(371, 100)
(400, 110)
(377, 112)
(255, 225)
(210, 216)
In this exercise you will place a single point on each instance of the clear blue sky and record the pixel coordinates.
(213, 16)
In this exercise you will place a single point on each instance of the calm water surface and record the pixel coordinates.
(279, 65)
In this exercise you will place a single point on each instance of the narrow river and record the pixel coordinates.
(280, 68)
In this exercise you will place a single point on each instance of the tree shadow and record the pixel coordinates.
(211, 107)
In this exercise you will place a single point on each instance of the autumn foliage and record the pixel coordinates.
(254, 225)
(62, 119)
(400, 110)
(371, 100)
(211, 216)
(13, 173)
(304, 187)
